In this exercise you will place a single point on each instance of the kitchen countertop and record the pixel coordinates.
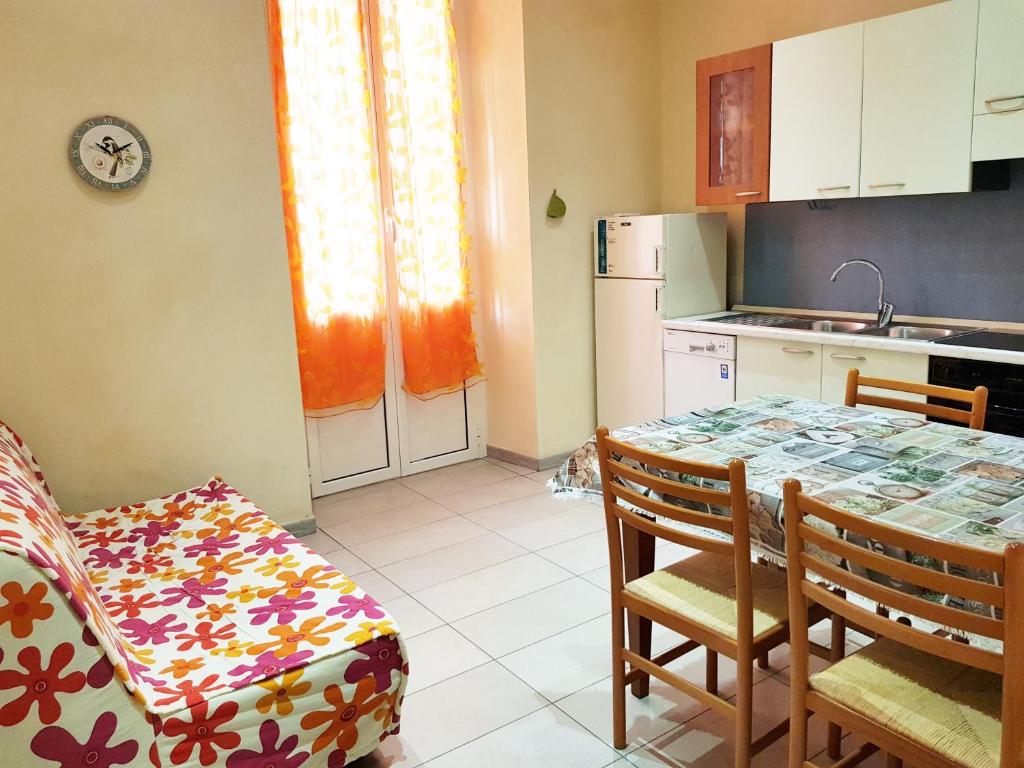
(700, 324)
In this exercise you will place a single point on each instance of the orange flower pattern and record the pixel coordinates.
(189, 629)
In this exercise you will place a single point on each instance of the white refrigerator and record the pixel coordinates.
(647, 269)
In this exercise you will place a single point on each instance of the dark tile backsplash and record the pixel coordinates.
(956, 255)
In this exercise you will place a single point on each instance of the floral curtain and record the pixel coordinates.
(325, 129)
(424, 150)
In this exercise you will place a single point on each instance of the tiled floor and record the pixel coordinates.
(501, 592)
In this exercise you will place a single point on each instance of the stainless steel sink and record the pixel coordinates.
(914, 332)
(828, 326)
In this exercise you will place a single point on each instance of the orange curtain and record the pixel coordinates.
(331, 200)
(419, 78)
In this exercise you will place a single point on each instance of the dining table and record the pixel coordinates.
(938, 480)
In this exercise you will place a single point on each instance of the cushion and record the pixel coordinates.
(209, 594)
(939, 704)
(703, 589)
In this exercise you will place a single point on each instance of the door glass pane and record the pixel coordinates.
(732, 129)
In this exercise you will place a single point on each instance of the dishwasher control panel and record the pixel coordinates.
(706, 344)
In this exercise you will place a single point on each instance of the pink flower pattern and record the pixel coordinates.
(172, 604)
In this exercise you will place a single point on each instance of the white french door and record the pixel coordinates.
(401, 434)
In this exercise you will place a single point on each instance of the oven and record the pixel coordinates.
(1005, 382)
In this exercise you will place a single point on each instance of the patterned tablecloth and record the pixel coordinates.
(942, 481)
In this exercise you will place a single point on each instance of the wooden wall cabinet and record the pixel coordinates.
(733, 127)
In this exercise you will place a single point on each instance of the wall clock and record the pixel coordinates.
(110, 153)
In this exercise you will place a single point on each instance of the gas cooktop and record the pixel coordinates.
(1013, 342)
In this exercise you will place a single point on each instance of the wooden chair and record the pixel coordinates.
(974, 418)
(717, 599)
(928, 699)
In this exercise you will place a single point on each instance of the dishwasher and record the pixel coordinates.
(700, 370)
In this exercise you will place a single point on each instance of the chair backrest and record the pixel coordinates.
(810, 548)
(644, 480)
(974, 416)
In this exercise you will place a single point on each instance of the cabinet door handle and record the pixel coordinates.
(795, 351)
(834, 189)
(887, 185)
(747, 194)
(847, 357)
(990, 102)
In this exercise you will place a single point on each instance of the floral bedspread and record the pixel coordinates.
(187, 630)
(938, 480)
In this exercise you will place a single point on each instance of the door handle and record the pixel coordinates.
(847, 357)
(834, 189)
(887, 185)
(747, 194)
(794, 351)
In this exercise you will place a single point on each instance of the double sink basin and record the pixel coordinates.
(900, 331)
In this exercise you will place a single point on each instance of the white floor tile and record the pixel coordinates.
(359, 490)
(350, 505)
(668, 553)
(477, 591)
(456, 711)
(417, 541)
(542, 477)
(525, 620)
(412, 618)
(377, 587)
(451, 561)
(517, 468)
(567, 662)
(557, 528)
(600, 577)
(481, 496)
(707, 741)
(320, 542)
(663, 709)
(439, 654)
(520, 511)
(545, 738)
(346, 562)
(580, 555)
(457, 477)
(387, 522)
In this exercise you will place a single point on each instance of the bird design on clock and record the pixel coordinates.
(110, 153)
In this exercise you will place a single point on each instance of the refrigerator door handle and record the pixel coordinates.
(659, 258)
(657, 298)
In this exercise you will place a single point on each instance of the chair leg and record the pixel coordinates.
(838, 651)
(891, 761)
(744, 709)
(712, 672)
(762, 661)
(618, 679)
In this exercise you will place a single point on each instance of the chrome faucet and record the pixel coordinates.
(885, 309)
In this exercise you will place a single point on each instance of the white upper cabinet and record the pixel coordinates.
(816, 114)
(918, 97)
(999, 86)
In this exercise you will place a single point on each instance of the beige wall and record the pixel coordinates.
(490, 43)
(147, 338)
(592, 108)
(695, 29)
(605, 114)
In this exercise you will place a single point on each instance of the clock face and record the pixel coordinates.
(110, 153)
